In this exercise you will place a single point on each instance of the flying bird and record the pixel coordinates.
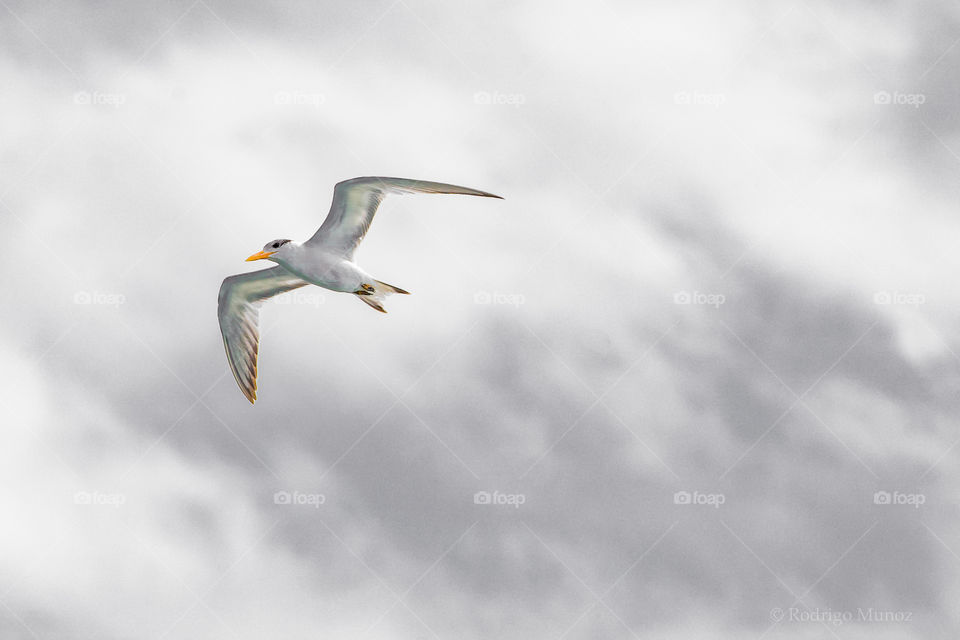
(325, 260)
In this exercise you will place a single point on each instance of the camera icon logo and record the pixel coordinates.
(82, 497)
(881, 497)
(481, 497)
(882, 97)
(681, 297)
(281, 497)
(681, 497)
(482, 297)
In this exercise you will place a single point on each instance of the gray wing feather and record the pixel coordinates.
(355, 203)
(238, 309)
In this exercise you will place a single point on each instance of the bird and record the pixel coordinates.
(325, 260)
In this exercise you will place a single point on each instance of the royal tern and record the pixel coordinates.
(325, 260)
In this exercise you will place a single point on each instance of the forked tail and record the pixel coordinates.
(375, 295)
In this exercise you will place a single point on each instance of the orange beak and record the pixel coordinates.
(260, 255)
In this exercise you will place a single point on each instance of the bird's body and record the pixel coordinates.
(323, 268)
(325, 260)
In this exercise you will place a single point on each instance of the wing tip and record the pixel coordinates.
(386, 180)
(250, 393)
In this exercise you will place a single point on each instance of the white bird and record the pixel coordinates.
(326, 260)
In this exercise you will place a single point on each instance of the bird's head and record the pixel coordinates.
(271, 248)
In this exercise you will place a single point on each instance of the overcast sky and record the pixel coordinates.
(695, 377)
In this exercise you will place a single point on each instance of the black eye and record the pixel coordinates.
(276, 245)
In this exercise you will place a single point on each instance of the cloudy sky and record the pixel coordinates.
(695, 377)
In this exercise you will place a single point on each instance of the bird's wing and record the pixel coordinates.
(238, 308)
(355, 202)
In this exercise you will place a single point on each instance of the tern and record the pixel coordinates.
(325, 260)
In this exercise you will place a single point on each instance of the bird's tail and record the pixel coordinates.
(378, 295)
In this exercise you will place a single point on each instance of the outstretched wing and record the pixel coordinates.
(355, 202)
(238, 309)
